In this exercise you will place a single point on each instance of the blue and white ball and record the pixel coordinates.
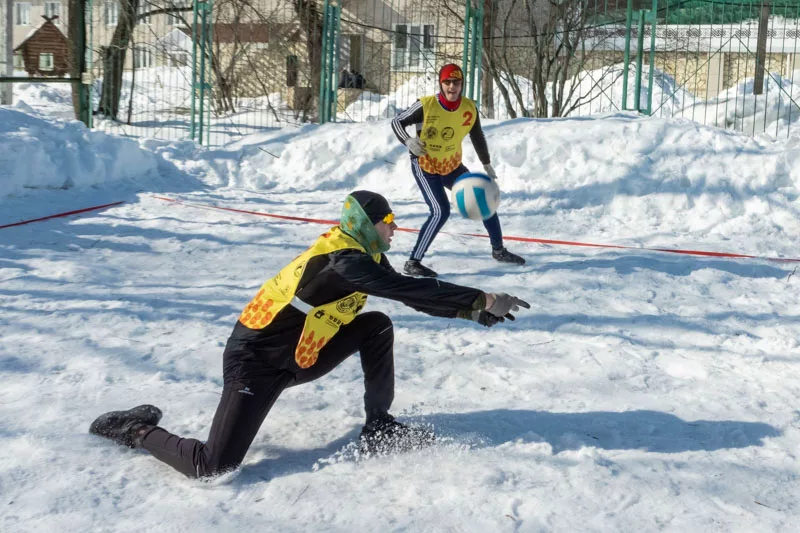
(476, 196)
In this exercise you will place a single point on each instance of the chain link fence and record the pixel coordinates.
(154, 71)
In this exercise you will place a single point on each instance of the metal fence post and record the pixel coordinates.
(329, 62)
(201, 43)
(637, 91)
(473, 51)
(465, 48)
(626, 60)
(653, 15)
(193, 116)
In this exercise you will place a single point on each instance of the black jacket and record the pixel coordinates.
(332, 276)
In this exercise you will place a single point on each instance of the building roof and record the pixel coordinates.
(46, 25)
(250, 32)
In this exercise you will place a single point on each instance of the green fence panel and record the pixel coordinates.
(725, 63)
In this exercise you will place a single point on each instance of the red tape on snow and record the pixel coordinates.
(505, 237)
(68, 213)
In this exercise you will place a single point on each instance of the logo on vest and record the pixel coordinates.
(346, 305)
(448, 133)
(431, 132)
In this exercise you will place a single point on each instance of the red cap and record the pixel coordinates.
(451, 71)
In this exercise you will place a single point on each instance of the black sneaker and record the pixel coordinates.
(415, 268)
(386, 435)
(124, 427)
(504, 256)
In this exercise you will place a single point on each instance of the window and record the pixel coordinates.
(22, 13)
(179, 59)
(19, 61)
(45, 61)
(291, 71)
(144, 7)
(53, 9)
(112, 13)
(142, 57)
(414, 46)
(174, 19)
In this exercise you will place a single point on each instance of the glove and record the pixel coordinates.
(416, 146)
(505, 303)
(484, 318)
(489, 171)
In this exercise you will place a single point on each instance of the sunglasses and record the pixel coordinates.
(451, 81)
(388, 219)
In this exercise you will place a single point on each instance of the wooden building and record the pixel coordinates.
(45, 52)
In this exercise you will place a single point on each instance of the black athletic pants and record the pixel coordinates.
(246, 402)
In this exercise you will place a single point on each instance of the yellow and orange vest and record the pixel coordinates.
(323, 321)
(443, 131)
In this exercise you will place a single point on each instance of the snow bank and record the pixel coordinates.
(40, 152)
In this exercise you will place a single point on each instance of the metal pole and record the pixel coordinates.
(628, 20)
(202, 96)
(194, 70)
(478, 59)
(335, 44)
(6, 89)
(206, 77)
(323, 79)
(473, 30)
(652, 57)
(467, 22)
(639, 54)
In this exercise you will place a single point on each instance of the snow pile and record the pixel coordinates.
(41, 152)
(650, 175)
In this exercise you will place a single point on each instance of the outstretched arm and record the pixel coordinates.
(431, 296)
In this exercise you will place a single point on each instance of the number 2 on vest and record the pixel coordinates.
(468, 116)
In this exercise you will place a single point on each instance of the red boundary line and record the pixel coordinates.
(68, 213)
(509, 238)
(334, 222)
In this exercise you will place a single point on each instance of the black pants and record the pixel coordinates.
(246, 402)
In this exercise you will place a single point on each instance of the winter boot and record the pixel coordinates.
(504, 256)
(386, 435)
(415, 268)
(126, 428)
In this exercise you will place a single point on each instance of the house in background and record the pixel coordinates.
(45, 51)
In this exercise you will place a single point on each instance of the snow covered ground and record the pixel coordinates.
(643, 391)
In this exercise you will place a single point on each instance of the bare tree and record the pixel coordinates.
(113, 57)
(77, 43)
(542, 41)
(113, 54)
(311, 24)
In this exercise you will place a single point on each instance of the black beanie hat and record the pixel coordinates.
(374, 205)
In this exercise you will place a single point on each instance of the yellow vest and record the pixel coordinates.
(323, 321)
(442, 132)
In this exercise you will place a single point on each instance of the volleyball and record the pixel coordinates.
(476, 196)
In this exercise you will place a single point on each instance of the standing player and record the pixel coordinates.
(442, 121)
